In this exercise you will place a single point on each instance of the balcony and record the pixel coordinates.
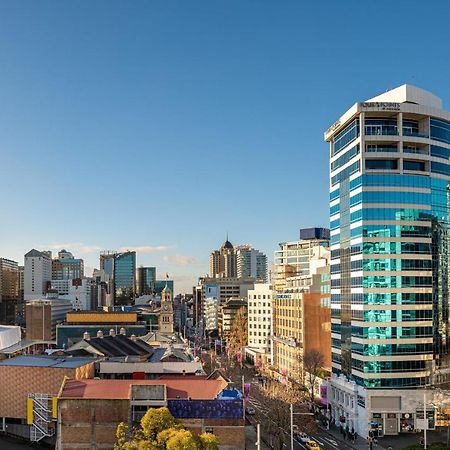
(381, 149)
(380, 130)
(414, 133)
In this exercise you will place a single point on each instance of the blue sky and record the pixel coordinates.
(162, 125)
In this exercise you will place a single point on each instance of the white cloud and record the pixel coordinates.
(145, 248)
(73, 247)
(180, 260)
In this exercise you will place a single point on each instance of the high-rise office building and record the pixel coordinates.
(66, 267)
(121, 269)
(9, 292)
(251, 263)
(389, 217)
(145, 280)
(37, 274)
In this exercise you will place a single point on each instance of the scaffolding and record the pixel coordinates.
(40, 416)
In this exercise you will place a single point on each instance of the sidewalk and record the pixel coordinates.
(359, 444)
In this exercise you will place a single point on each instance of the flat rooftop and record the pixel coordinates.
(57, 362)
(179, 388)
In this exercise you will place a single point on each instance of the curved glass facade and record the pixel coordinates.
(390, 250)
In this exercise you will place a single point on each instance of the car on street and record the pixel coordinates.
(250, 410)
(312, 445)
(303, 437)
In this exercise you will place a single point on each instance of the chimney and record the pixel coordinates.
(112, 332)
(133, 337)
(86, 336)
(123, 331)
(99, 333)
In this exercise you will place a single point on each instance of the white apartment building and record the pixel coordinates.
(37, 274)
(259, 323)
(211, 313)
(251, 263)
(260, 317)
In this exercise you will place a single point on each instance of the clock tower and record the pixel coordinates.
(166, 312)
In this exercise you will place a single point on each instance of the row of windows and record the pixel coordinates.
(383, 282)
(388, 366)
(440, 130)
(378, 265)
(391, 332)
(393, 164)
(396, 248)
(440, 152)
(347, 135)
(397, 298)
(391, 231)
(391, 197)
(385, 316)
(390, 180)
(390, 349)
(390, 214)
(443, 169)
(345, 173)
(345, 158)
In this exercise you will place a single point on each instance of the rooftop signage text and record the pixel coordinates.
(333, 127)
(384, 106)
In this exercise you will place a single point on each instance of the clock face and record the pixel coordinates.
(166, 307)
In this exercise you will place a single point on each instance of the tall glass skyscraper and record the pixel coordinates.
(124, 278)
(389, 220)
(145, 280)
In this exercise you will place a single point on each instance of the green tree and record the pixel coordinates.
(209, 441)
(159, 430)
(156, 420)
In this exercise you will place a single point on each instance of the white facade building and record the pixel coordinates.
(37, 274)
(211, 313)
(251, 263)
(79, 295)
(260, 317)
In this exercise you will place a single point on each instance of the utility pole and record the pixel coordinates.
(292, 426)
(425, 421)
(258, 437)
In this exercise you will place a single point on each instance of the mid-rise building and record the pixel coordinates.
(145, 280)
(228, 313)
(294, 258)
(259, 321)
(9, 292)
(301, 309)
(66, 267)
(78, 291)
(389, 218)
(251, 263)
(42, 316)
(37, 274)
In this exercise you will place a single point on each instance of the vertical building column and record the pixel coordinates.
(400, 144)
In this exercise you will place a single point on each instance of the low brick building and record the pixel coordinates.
(90, 410)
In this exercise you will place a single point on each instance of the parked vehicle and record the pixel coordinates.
(250, 410)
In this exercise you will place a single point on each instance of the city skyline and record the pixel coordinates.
(119, 130)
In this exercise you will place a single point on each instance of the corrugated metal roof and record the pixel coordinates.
(47, 361)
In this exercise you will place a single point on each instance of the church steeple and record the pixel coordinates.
(166, 311)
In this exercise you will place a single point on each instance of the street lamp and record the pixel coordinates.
(292, 423)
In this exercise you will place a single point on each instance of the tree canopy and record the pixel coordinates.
(159, 430)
